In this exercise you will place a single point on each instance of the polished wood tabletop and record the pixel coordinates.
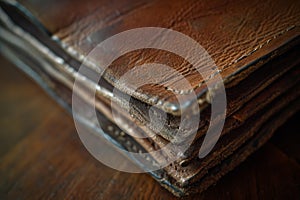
(42, 157)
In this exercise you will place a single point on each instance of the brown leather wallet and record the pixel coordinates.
(255, 46)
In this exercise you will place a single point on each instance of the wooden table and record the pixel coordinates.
(41, 156)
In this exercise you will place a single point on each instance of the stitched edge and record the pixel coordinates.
(81, 57)
(162, 103)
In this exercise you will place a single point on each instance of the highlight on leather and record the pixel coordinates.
(184, 90)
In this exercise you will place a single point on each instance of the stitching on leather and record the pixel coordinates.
(233, 62)
(163, 105)
(80, 57)
(120, 136)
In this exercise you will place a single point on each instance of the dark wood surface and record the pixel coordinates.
(41, 156)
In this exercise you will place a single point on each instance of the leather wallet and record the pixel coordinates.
(255, 46)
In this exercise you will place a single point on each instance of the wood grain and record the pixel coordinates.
(41, 157)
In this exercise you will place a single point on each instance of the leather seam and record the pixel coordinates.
(164, 103)
(201, 83)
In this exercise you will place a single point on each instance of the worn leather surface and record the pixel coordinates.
(254, 44)
(193, 172)
(255, 71)
(216, 165)
(235, 33)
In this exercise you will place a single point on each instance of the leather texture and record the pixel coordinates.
(235, 33)
(237, 94)
(254, 44)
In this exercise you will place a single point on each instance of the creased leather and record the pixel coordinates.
(255, 45)
(234, 33)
